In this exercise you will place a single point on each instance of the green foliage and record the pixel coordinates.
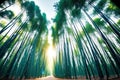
(7, 13)
(89, 28)
(74, 5)
(118, 22)
(75, 12)
(101, 4)
(99, 22)
(22, 45)
(37, 20)
(113, 9)
(83, 48)
(30, 7)
(93, 50)
(2, 24)
(116, 2)
(60, 19)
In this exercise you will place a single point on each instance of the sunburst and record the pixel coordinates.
(50, 55)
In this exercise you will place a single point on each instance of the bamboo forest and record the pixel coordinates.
(80, 42)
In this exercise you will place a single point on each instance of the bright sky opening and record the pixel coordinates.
(46, 6)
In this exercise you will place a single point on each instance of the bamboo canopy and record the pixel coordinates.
(84, 42)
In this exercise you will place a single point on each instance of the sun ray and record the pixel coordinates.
(51, 55)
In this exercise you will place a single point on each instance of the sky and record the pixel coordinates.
(46, 6)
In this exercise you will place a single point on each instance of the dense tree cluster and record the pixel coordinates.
(22, 50)
(86, 37)
(88, 51)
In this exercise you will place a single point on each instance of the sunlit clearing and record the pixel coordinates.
(51, 54)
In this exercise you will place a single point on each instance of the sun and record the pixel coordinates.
(51, 56)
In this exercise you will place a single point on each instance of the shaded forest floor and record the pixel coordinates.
(54, 78)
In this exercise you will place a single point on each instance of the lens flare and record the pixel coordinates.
(51, 55)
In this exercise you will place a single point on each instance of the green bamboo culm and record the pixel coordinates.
(85, 39)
